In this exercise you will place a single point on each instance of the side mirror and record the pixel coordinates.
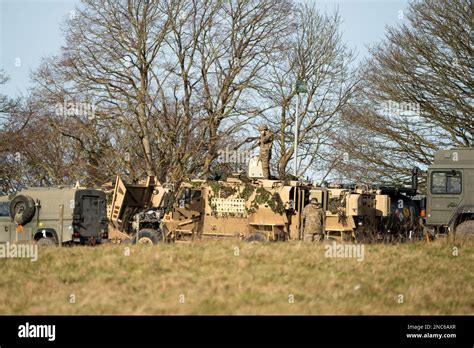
(451, 173)
(414, 178)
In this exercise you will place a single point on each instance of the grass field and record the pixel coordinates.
(231, 277)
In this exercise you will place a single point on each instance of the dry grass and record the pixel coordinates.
(260, 280)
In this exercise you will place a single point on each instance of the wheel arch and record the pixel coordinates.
(45, 232)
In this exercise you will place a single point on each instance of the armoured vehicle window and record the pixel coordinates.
(4, 208)
(190, 194)
(446, 182)
(195, 193)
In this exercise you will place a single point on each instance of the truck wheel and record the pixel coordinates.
(22, 209)
(256, 238)
(147, 237)
(45, 242)
(464, 231)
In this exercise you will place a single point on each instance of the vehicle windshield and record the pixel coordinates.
(446, 182)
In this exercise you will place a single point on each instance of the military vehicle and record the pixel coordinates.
(257, 210)
(400, 214)
(137, 207)
(403, 222)
(250, 208)
(450, 192)
(52, 216)
(253, 209)
(353, 213)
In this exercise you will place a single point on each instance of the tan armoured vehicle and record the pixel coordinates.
(253, 209)
(146, 212)
(52, 216)
(257, 210)
(135, 210)
(353, 214)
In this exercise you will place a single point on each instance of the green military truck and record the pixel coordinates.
(450, 192)
(53, 216)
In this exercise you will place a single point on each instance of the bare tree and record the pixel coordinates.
(417, 95)
(317, 56)
(222, 51)
(107, 61)
(168, 79)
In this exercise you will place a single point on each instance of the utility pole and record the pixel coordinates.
(301, 87)
(61, 224)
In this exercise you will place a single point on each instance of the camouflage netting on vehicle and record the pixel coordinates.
(247, 192)
(334, 205)
(195, 184)
(222, 191)
(264, 197)
(215, 187)
(227, 191)
(221, 171)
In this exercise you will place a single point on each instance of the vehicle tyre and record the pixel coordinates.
(147, 237)
(22, 209)
(328, 239)
(464, 231)
(256, 238)
(45, 242)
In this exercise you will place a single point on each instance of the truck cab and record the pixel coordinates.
(450, 190)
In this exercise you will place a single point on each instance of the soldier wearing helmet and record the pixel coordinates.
(313, 221)
(265, 143)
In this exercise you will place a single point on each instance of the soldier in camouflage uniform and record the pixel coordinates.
(265, 143)
(313, 220)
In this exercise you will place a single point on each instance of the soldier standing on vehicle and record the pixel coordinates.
(265, 143)
(313, 221)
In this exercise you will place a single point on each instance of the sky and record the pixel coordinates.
(31, 29)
